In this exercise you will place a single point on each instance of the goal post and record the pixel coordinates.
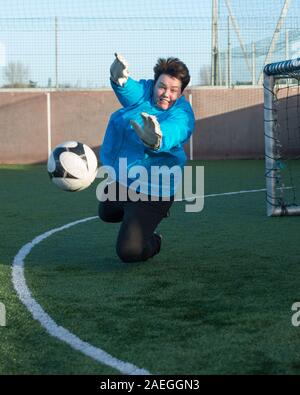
(282, 126)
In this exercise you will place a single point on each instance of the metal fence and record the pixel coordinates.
(230, 47)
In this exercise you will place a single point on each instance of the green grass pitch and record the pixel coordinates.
(217, 300)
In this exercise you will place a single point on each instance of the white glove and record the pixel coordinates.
(151, 135)
(119, 70)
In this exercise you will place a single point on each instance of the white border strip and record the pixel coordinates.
(19, 283)
(48, 323)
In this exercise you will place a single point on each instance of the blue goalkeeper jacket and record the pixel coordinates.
(122, 142)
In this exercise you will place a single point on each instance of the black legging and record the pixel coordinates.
(136, 239)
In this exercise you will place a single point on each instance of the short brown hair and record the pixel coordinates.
(173, 67)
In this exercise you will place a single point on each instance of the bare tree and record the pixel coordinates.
(16, 75)
(205, 75)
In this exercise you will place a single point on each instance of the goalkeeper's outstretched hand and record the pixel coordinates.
(151, 135)
(119, 70)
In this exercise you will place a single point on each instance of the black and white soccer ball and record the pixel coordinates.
(72, 166)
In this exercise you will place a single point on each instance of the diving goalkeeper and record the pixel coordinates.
(148, 131)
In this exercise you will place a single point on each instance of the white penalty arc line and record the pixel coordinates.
(39, 314)
(228, 194)
(48, 323)
(221, 194)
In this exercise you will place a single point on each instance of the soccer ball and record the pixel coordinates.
(72, 166)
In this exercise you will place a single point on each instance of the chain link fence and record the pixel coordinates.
(76, 52)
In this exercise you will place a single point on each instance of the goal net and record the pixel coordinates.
(282, 137)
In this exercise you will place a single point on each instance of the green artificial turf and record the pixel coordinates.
(217, 299)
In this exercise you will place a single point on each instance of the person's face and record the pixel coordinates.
(166, 91)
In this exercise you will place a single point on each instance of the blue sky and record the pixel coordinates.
(103, 8)
(32, 41)
(140, 29)
(150, 8)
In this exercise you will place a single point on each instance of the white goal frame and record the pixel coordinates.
(272, 72)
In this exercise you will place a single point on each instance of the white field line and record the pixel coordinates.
(24, 294)
(221, 194)
(48, 323)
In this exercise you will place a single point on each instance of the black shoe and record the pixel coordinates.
(158, 238)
